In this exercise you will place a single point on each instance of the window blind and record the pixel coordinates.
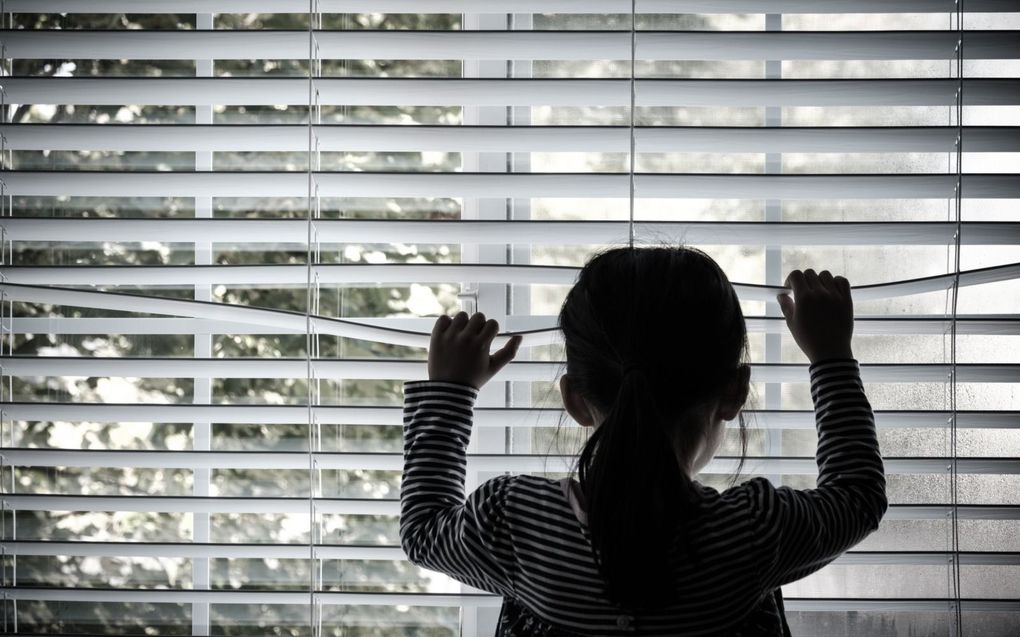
(228, 225)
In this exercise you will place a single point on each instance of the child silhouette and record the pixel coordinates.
(656, 363)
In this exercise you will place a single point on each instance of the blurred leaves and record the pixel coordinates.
(250, 574)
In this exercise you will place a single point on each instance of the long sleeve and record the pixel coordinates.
(800, 531)
(465, 538)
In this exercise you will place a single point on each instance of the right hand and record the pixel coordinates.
(820, 315)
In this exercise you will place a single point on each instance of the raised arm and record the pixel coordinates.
(800, 531)
(465, 538)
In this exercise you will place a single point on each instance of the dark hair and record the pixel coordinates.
(672, 313)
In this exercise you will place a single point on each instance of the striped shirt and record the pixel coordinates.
(519, 537)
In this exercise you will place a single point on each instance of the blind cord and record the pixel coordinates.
(633, 92)
(954, 478)
(309, 291)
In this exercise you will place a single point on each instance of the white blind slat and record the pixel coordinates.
(351, 369)
(382, 138)
(300, 552)
(209, 504)
(516, 463)
(464, 600)
(514, 6)
(979, 325)
(244, 91)
(502, 45)
(388, 507)
(269, 414)
(277, 231)
(364, 274)
(509, 185)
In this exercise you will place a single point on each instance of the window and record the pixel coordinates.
(225, 235)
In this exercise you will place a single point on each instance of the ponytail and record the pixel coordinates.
(653, 337)
(635, 493)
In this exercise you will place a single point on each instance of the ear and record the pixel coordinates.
(574, 403)
(736, 394)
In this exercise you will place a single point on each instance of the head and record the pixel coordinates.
(671, 314)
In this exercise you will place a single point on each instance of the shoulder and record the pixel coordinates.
(537, 501)
(753, 494)
(524, 488)
(746, 504)
(537, 490)
(734, 522)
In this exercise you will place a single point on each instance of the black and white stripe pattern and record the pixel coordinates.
(516, 535)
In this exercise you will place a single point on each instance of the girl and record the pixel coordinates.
(656, 349)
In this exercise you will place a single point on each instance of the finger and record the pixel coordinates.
(475, 323)
(438, 330)
(825, 278)
(842, 285)
(489, 331)
(811, 279)
(785, 305)
(441, 324)
(505, 354)
(795, 281)
(459, 321)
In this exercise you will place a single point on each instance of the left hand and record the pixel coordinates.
(459, 350)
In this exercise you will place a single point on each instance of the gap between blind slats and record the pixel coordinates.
(525, 139)
(31, 281)
(398, 369)
(511, 6)
(535, 330)
(503, 45)
(272, 414)
(509, 185)
(245, 91)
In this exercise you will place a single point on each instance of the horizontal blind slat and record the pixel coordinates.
(903, 605)
(54, 230)
(519, 463)
(210, 504)
(383, 138)
(980, 325)
(504, 45)
(301, 598)
(507, 185)
(271, 414)
(34, 278)
(244, 91)
(281, 368)
(205, 550)
(512, 6)
(380, 506)
(191, 550)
